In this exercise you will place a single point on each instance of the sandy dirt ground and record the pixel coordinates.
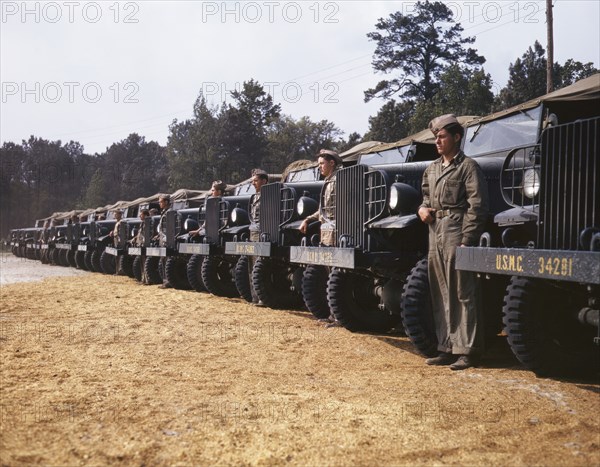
(98, 370)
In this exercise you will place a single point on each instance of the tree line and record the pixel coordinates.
(432, 71)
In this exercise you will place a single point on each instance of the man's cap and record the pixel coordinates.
(442, 122)
(166, 197)
(331, 153)
(258, 172)
(219, 185)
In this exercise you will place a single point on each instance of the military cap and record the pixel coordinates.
(333, 154)
(442, 122)
(219, 185)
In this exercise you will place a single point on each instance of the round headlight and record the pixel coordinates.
(531, 183)
(394, 197)
(234, 216)
(306, 206)
(300, 207)
(404, 199)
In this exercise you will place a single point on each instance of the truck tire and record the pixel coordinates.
(64, 258)
(271, 285)
(151, 268)
(108, 263)
(194, 273)
(176, 274)
(136, 268)
(354, 306)
(417, 316)
(80, 260)
(54, 256)
(71, 258)
(88, 261)
(96, 260)
(314, 291)
(242, 279)
(543, 331)
(126, 265)
(216, 275)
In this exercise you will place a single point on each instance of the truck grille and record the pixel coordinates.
(171, 228)
(123, 234)
(570, 175)
(350, 204)
(288, 204)
(270, 210)
(213, 218)
(375, 194)
(519, 162)
(93, 232)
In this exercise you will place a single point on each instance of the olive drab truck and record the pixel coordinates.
(544, 249)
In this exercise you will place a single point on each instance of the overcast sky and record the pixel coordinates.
(94, 72)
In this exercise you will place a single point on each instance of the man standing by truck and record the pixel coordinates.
(259, 178)
(329, 163)
(164, 201)
(455, 206)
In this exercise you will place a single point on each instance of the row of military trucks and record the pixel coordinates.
(538, 259)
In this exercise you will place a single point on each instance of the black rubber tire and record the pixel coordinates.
(64, 258)
(96, 255)
(354, 306)
(194, 273)
(417, 315)
(271, 284)
(88, 261)
(544, 332)
(314, 291)
(80, 260)
(71, 258)
(15, 250)
(151, 267)
(55, 256)
(176, 273)
(126, 265)
(242, 279)
(216, 275)
(108, 263)
(136, 268)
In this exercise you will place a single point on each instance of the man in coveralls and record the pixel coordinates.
(455, 206)
(329, 164)
(259, 179)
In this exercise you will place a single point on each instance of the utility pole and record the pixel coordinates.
(550, 34)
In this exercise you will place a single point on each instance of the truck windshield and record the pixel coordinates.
(247, 189)
(304, 175)
(390, 156)
(518, 129)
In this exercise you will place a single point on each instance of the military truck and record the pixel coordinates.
(184, 203)
(132, 256)
(116, 257)
(543, 251)
(276, 281)
(95, 237)
(226, 219)
(378, 237)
